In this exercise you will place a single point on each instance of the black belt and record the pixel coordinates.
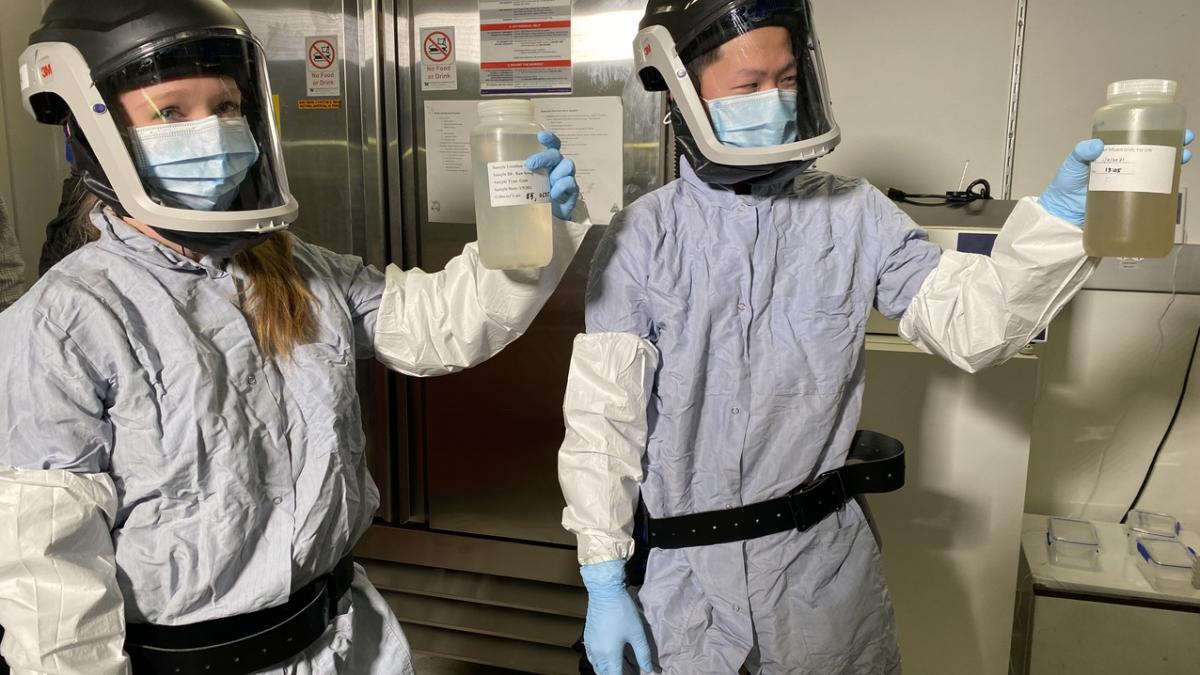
(875, 464)
(245, 643)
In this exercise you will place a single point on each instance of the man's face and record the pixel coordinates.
(760, 60)
(183, 100)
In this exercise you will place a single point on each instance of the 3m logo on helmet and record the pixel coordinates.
(47, 71)
(646, 49)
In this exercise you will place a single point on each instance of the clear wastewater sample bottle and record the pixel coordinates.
(1132, 203)
(512, 204)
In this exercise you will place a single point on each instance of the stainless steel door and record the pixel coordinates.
(331, 147)
(489, 437)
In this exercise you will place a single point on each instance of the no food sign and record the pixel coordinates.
(321, 66)
(438, 46)
(438, 69)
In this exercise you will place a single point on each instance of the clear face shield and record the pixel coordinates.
(180, 134)
(197, 120)
(750, 86)
(760, 87)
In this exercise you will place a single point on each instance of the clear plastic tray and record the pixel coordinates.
(1148, 523)
(1072, 543)
(1141, 523)
(1166, 563)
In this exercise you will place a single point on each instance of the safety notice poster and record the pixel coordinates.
(321, 67)
(525, 47)
(438, 57)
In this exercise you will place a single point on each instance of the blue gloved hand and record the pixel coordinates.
(612, 619)
(564, 192)
(1066, 197)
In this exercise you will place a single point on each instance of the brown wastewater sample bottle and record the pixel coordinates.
(1132, 203)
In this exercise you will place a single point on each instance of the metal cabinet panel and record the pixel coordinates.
(1078, 637)
(333, 157)
(490, 435)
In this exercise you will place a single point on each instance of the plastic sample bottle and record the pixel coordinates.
(512, 204)
(1132, 203)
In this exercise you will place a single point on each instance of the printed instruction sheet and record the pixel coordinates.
(524, 47)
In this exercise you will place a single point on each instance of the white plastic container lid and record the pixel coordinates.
(1071, 531)
(1168, 553)
(1146, 86)
(506, 107)
(1154, 524)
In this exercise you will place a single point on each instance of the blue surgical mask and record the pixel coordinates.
(197, 164)
(757, 120)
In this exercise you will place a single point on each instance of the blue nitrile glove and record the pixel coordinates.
(1066, 197)
(564, 192)
(612, 619)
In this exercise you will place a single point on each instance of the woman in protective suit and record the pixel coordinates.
(721, 375)
(182, 470)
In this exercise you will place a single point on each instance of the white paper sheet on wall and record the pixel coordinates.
(448, 191)
(592, 134)
(591, 129)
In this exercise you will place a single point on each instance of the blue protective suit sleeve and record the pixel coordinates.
(363, 295)
(616, 293)
(12, 270)
(53, 413)
(905, 254)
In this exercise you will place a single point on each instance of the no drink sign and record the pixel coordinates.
(324, 72)
(438, 57)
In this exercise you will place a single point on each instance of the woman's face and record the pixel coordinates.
(182, 100)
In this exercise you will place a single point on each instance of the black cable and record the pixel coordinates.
(968, 195)
(1187, 374)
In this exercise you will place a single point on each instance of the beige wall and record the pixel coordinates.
(1074, 48)
(918, 87)
(31, 162)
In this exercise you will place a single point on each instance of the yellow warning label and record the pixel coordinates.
(319, 104)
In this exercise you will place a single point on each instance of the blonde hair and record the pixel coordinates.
(279, 304)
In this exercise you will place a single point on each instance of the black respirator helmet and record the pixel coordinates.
(169, 115)
(776, 120)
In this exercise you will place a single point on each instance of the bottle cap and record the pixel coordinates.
(1153, 87)
(506, 107)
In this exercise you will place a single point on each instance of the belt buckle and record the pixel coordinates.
(796, 497)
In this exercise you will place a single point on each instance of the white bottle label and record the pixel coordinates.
(511, 184)
(1134, 168)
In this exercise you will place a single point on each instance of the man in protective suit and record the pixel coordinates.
(721, 374)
